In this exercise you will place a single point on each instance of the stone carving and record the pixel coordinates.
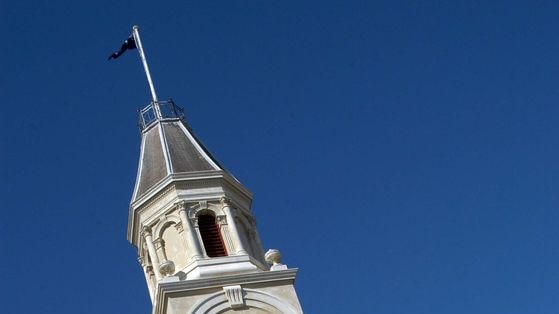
(146, 231)
(167, 268)
(179, 227)
(191, 213)
(194, 221)
(225, 201)
(203, 205)
(234, 295)
(221, 219)
(181, 205)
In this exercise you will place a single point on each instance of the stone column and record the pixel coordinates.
(191, 238)
(240, 250)
(146, 232)
(160, 249)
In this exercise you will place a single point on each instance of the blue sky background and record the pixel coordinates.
(402, 155)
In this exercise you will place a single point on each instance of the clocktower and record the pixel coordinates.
(192, 224)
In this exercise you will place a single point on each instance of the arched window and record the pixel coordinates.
(213, 243)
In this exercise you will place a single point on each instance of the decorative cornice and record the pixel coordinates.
(239, 279)
(170, 178)
(191, 177)
(155, 197)
(174, 182)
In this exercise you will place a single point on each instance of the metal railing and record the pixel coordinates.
(166, 108)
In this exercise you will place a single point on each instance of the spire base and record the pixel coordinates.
(159, 111)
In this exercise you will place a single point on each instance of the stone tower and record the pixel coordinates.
(192, 224)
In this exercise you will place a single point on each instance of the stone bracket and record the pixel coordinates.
(234, 295)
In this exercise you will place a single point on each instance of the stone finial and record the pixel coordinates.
(167, 268)
(273, 257)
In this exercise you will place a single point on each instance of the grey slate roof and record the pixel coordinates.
(169, 147)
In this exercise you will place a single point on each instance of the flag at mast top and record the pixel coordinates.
(134, 42)
(129, 43)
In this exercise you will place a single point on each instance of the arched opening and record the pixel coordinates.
(209, 230)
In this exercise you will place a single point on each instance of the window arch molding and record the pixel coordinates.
(206, 211)
(218, 303)
(163, 223)
(197, 210)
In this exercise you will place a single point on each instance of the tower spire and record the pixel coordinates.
(192, 224)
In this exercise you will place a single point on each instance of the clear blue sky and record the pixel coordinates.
(402, 155)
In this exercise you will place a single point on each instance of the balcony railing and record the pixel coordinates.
(167, 110)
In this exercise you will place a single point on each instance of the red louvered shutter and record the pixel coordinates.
(213, 243)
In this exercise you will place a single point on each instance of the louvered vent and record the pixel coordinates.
(211, 236)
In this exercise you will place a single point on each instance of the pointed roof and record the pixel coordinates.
(168, 147)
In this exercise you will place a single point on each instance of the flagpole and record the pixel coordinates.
(136, 33)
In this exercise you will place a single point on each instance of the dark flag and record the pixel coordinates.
(130, 43)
